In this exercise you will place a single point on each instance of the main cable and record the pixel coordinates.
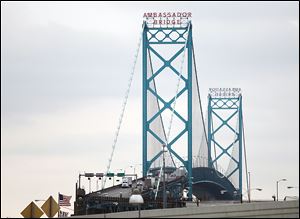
(245, 155)
(124, 103)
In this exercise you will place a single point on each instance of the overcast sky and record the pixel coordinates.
(64, 72)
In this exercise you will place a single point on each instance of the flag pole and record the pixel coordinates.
(58, 206)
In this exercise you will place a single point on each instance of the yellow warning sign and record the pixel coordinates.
(32, 211)
(50, 207)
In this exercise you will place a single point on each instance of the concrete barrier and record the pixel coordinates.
(288, 209)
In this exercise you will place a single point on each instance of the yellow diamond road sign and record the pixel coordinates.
(32, 211)
(50, 207)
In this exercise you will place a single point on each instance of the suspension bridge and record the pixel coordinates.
(186, 147)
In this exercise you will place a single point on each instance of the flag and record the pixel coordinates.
(64, 200)
(62, 214)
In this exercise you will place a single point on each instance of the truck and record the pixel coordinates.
(179, 172)
(126, 182)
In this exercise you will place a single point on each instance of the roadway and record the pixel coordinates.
(271, 209)
(115, 191)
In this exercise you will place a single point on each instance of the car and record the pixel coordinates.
(126, 182)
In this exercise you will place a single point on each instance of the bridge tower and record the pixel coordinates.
(225, 119)
(177, 41)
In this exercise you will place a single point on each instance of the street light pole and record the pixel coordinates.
(164, 179)
(134, 174)
(136, 199)
(258, 189)
(277, 187)
(249, 187)
(135, 169)
(277, 190)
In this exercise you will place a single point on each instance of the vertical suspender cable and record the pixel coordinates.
(124, 103)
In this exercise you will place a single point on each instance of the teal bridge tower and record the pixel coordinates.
(178, 63)
(225, 118)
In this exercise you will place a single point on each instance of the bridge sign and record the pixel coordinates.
(110, 174)
(120, 174)
(32, 211)
(167, 18)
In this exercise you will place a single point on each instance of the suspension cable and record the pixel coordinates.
(200, 103)
(198, 89)
(245, 155)
(124, 103)
(203, 158)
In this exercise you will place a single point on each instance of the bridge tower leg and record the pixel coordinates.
(153, 39)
